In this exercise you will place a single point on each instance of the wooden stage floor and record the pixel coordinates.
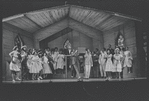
(75, 80)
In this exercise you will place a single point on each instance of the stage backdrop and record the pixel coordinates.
(77, 39)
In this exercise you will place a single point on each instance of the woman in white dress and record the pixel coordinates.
(117, 62)
(102, 62)
(128, 60)
(15, 64)
(88, 63)
(35, 67)
(55, 57)
(109, 64)
(46, 68)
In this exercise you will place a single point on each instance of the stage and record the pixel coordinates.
(75, 80)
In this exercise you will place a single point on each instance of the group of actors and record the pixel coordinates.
(38, 64)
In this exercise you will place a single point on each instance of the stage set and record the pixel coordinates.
(84, 28)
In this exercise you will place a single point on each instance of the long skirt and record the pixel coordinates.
(46, 69)
(109, 66)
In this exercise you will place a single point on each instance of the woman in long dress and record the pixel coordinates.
(29, 61)
(109, 64)
(15, 64)
(55, 57)
(117, 62)
(46, 68)
(35, 67)
(128, 60)
(88, 63)
(102, 63)
(60, 61)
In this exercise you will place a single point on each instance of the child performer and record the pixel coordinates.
(46, 68)
(109, 64)
(15, 64)
(117, 62)
(88, 63)
(128, 60)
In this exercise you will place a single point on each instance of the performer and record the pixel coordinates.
(128, 60)
(15, 64)
(25, 71)
(74, 62)
(50, 59)
(121, 41)
(95, 57)
(34, 67)
(40, 65)
(109, 64)
(122, 59)
(46, 68)
(102, 62)
(67, 51)
(29, 61)
(117, 62)
(55, 54)
(88, 63)
(60, 61)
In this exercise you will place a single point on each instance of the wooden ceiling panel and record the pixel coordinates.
(91, 22)
(77, 16)
(84, 15)
(114, 25)
(97, 19)
(100, 18)
(48, 17)
(86, 20)
(24, 24)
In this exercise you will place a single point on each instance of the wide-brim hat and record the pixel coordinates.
(24, 46)
(117, 49)
(14, 48)
(39, 52)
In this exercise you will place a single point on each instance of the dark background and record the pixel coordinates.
(135, 90)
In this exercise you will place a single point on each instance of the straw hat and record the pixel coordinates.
(24, 47)
(14, 48)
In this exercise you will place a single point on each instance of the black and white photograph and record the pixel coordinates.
(75, 42)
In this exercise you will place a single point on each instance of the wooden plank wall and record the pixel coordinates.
(128, 30)
(87, 31)
(76, 38)
(49, 30)
(9, 33)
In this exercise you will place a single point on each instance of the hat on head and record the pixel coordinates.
(24, 46)
(14, 48)
(117, 49)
